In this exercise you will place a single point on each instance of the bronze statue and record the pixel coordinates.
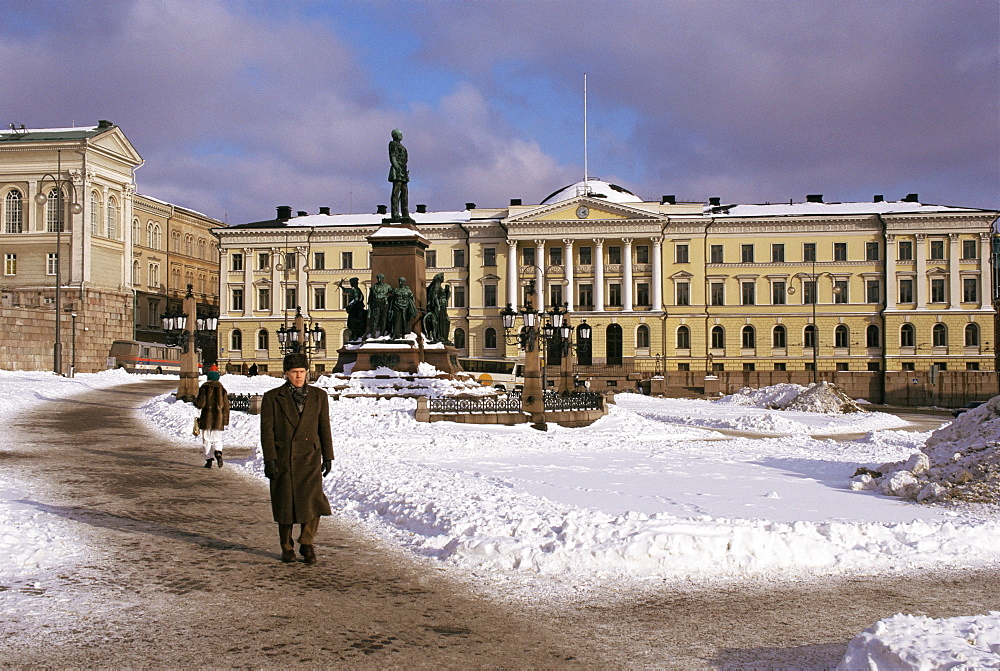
(356, 317)
(402, 310)
(436, 324)
(378, 307)
(399, 175)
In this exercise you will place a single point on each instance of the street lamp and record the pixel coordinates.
(532, 402)
(74, 208)
(299, 337)
(72, 360)
(183, 331)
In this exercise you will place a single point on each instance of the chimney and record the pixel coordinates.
(911, 198)
(104, 123)
(878, 198)
(284, 212)
(515, 202)
(421, 209)
(668, 200)
(814, 198)
(301, 213)
(325, 210)
(715, 201)
(382, 209)
(470, 206)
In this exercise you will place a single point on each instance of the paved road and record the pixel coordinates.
(184, 571)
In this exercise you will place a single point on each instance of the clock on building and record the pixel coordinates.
(582, 212)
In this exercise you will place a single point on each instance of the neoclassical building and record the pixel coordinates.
(665, 285)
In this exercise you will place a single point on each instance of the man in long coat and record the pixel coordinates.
(298, 453)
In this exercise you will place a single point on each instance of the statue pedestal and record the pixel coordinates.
(401, 355)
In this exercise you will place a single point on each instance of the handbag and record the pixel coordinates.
(196, 430)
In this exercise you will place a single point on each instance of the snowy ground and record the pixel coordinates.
(659, 490)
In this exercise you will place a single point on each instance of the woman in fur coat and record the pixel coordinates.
(214, 404)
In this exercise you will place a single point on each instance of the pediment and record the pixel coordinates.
(115, 143)
(591, 209)
(681, 275)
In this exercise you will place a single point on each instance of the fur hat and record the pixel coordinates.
(295, 360)
(213, 375)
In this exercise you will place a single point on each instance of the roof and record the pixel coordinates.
(594, 188)
(375, 220)
(54, 134)
(833, 209)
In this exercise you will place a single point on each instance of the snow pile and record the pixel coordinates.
(381, 382)
(816, 397)
(904, 642)
(959, 461)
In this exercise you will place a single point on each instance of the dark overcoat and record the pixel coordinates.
(213, 401)
(298, 445)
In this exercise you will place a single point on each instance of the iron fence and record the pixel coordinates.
(452, 405)
(581, 400)
(239, 402)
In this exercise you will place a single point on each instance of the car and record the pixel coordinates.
(966, 408)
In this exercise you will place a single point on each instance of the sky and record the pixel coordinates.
(240, 106)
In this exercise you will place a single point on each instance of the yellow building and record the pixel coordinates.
(665, 285)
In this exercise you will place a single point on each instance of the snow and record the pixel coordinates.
(670, 490)
(807, 209)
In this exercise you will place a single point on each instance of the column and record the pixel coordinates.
(223, 283)
(540, 296)
(248, 297)
(890, 272)
(599, 274)
(921, 279)
(954, 278)
(627, 275)
(985, 272)
(569, 296)
(657, 273)
(512, 297)
(302, 289)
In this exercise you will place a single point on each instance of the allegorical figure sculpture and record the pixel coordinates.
(399, 176)
(402, 309)
(436, 324)
(356, 316)
(378, 307)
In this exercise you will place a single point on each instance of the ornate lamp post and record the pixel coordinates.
(74, 208)
(299, 337)
(527, 338)
(187, 333)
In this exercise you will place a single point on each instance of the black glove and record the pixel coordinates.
(327, 465)
(269, 470)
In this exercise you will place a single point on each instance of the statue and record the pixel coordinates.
(378, 307)
(356, 317)
(399, 176)
(436, 324)
(402, 309)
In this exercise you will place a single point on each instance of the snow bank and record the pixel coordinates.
(913, 642)
(816, 397)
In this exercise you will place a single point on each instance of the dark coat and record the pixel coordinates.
(214, 404)
(298, 445)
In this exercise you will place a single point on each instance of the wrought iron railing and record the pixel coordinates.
(239, 402)
(452, 405)
(581, 400)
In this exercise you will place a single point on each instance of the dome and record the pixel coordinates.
(597, 189)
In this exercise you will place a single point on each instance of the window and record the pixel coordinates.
(153, 318)
(718, 293)
(290, 261)
(10, 264)
(968, 249)
(777, 253)
(490, 338)
(586, 295)
(940, 365)
(642, 254)
(189, 245)
(840, 251)
(291, 298)
(683, 290)
(136, 274)
(586, 256)
(614, 254)
(683, 337)
(236, 340)
(749, 367)
(319, 298)
(779, 337)
(972, 335)
(873, 291)
(54, 213)
(841, 337)
(175, 279)
(319, 260)
(153, 239)
(263, 299)
(262, 339)
(95, 212)
(347, 260)
(809, 336)
(778, 292)
(906, 291)
(909, 365)
(175, 242)
(971, 365)
(749, 336)
(937, 290)
(489, 256)
(555, 256)
(718, 367)
(907, 336)
(904, 250)
(808, 251)
(237, 299)
(201, 249)
(555, 294)
(873, 336)
(111, 223)
(459, 338)
(13, 221)
(939, 335)
(136, 232)
(489, 295)
(430, 259)
(874, 366)
(842, 366)
(684, 366)
(840, 294)
(809, 292)
(718, 337)
(780, 366)
(748, 293)
(615, 295)
(458, 296)
(154, 275)
(642, 337)
(970, 290)
(263, 260)
(642, 294)
(937, 250)
(681, 253)
(237, 261)
(746, 253)
(458, 260)
(528, 256)
(871, 251)
(716, 254)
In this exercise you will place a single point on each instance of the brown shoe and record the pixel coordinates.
(308, 554)
(288, 556)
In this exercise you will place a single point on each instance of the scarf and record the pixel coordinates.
(299, 396)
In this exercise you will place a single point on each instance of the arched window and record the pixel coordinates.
(779, 337)
(236, 340)
(683, 337)
(175, 278)
(642, 336)
(841, 337)
(201, 248)
(972, 335)
(136, 279)
(809, 336)
(613, 344)
(13, 221)
(149, 234)
(939, 335)
(873, 336)
(459, 338)
(749, 337)
(718, 337)
(95, 212)
(189, 245)
(136, 232)
(112, 218)
(490, 338)
(262, 339)
(175, 242)
(157, 240)
(54, 216)
(907, 336)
